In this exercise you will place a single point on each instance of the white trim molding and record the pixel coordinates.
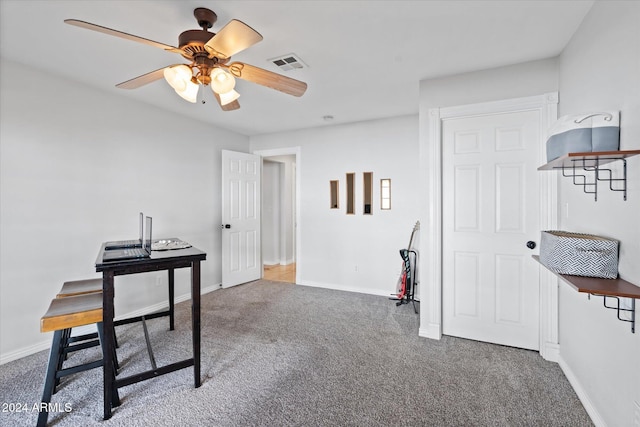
(431, 317)
(297, 152)
(549, 347)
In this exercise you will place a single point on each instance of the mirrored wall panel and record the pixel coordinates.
(385, 194)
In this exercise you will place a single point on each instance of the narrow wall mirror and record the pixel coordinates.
(367, 185)
(334, 195)
(385, 194)
(351, 203)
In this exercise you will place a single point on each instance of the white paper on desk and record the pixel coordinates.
(167, 245)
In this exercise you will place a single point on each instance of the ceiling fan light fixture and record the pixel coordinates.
(190, 93)
(221, 81)
(178, 77)
(228, 97)
(207, 54)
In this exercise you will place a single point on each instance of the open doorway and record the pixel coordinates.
(279, 217)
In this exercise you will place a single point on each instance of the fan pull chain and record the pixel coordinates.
(201, 93)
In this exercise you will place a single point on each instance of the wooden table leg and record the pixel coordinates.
(195, 319)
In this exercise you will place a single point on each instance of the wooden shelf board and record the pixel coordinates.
(597, 286)
(603, 157)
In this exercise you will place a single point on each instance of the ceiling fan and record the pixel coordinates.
(209, 55)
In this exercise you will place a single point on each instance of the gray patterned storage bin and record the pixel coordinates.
(579, 254)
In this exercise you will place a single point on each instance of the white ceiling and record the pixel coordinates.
(365, 58)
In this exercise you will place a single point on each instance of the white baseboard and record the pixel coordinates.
(550, 352)
(25, 351)
(46, 344)
(431, 331)
(278, 262)
(346, 288)
(582, 394)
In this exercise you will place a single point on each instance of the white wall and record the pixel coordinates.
(600, 70)
(511, 81)
(76, 167)
(271, 212)
(287, 201)
(353, 252)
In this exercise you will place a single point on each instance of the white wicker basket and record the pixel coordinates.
(579, 254)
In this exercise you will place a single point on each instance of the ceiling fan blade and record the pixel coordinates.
(142, 80)
(267, 78)
(116, 33)
(234, 37)
(227, 107)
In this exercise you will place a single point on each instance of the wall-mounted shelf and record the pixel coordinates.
(607, 288)
(586, 169)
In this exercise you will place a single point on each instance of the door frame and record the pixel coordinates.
(431, 315)
(297, 152)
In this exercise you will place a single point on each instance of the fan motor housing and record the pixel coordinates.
(192, 43)
(197, 37)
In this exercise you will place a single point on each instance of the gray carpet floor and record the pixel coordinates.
(276, 354)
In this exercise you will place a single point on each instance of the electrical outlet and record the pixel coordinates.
(356, 268)
(636, 414)
(158, 280)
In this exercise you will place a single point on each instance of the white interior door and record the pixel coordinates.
(490, 211)
(241, 261)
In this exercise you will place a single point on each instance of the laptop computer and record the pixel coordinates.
(119, 244)
(132, 253)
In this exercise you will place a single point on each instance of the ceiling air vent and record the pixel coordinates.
(288, 62)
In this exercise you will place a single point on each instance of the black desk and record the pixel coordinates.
(159, 260)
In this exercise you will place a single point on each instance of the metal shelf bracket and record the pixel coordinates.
(581, 165)
(619, 309)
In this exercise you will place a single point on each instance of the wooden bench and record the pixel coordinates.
(80, 287)
(63, 315)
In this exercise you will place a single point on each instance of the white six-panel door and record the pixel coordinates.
(241, 261)
(490, 211)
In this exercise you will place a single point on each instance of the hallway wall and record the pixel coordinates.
(353, 252)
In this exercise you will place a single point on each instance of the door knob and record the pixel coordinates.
(531, 244)
(225, 226)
